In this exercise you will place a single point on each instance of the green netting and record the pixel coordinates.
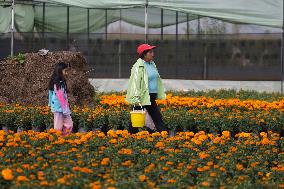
(5, 19)
(259, 12)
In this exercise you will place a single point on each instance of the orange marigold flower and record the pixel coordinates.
(203, 155)
(7, 174)
(171, 181)
(239, 167)
(159, 145)
(22, 178)
(205, 184)
(105, 161)
(142, 178)
(43, 183)
(226, 134)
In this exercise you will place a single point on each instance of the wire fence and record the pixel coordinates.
(194, 57)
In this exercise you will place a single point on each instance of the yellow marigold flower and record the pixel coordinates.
(263, 134)
(7, 174)
(164, 134)
(244, 135)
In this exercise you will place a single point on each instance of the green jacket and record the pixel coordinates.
(138, 90)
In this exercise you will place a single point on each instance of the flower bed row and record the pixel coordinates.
(121, 160)
(178, 102)
(180, 114)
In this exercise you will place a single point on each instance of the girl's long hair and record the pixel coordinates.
(57, 77)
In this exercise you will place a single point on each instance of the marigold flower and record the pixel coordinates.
(205, 184)
(239, 167)
(22, 179)
(171, 181)
(142, 178)
(105, 161)
(7, 174)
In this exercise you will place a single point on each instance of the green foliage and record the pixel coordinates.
(21, 58)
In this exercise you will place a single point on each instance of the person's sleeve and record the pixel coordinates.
(49, 98)
(62, 101)
(133, 91)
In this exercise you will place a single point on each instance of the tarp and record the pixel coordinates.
(259, 12)
(262, 12)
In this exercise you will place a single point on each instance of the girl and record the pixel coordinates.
(58, 99)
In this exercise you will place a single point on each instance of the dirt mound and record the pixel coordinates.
(24, 79)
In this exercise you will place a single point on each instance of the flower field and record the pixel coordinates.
(181, 113)
(222, 141)
(120, 160)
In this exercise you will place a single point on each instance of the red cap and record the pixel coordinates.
(144, 47)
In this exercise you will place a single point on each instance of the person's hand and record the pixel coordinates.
(138, 104)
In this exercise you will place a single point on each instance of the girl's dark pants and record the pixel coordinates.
(155, 114)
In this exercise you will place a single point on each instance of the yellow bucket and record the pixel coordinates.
(138, 118)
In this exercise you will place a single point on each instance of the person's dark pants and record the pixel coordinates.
(155, 114)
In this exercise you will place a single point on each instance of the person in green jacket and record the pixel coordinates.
(145, 85)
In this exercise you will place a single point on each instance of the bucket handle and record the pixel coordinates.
(140, 106)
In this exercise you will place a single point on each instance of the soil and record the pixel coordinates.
(27, 82)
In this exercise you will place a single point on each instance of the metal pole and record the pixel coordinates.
(282, 52)
(198, 25)
(146, 21)
(162, 24)
(43, 24)
(187, 25)
(119, 46)
(88, 23)
(106, 23)
(12, 29)
(67, 40)
(177, 57)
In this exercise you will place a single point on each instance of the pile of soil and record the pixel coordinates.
(25, 79)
